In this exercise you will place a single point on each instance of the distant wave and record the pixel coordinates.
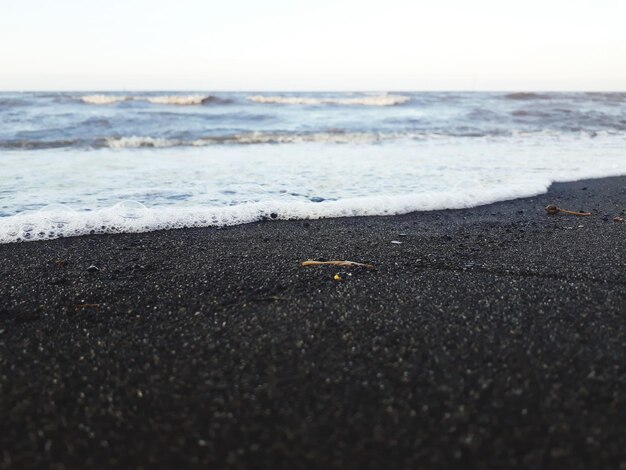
(523, 96)
(380, 100)
(330, 137)
(250, 138)
(12, 102)
(216, 100)
(615, 96)
(103, 99)
(244, 138)
(39, 144)
(179, 100)
(96, 122)
(336, 137)
(293, 138)
(531, 113)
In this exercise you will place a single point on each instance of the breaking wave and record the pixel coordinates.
(138, 142)
(103, 99)
(330, 137)
(39, 144)
(287, 138)
(179, 100)
(251, 138)
(381, 100)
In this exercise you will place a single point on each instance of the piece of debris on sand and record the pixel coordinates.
(345, 264)
(553, 210)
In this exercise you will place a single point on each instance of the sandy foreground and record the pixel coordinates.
(492, 337)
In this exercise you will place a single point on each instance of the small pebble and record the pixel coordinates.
(342, 276)
(396, 242)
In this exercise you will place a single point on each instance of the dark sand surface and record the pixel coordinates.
(492, 337)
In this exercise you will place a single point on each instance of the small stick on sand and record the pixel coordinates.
(553, 210)
(81, 306)
(346, 264)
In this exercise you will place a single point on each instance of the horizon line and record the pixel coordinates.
(303, 90)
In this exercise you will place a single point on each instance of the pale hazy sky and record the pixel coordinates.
(313, 45)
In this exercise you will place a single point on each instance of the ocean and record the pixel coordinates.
(82, 163)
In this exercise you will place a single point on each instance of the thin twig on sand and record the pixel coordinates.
(345, 264)
(82, 306)
(553, 210)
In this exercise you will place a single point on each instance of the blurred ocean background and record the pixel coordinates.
(79, 163)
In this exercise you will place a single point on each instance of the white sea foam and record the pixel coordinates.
(178, 99)
(378, 100)
(58, 221)
(103, 99)
(131, 217)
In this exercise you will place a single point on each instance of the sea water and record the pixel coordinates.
(80, 163)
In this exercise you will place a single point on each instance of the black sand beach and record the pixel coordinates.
(492, 337)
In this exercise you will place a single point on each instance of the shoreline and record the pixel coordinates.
(487, 337)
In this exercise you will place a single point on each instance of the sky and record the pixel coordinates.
(313, 45)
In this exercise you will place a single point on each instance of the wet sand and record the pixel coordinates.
(492, 337)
